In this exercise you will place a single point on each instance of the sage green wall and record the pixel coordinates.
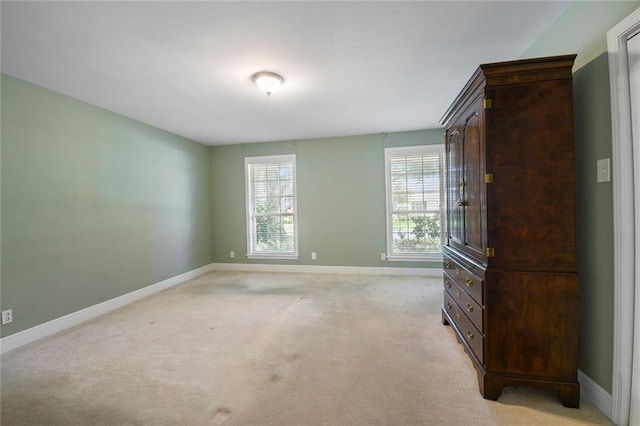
(341, 198)
(582, 29)
(94, 205)
(594, 220)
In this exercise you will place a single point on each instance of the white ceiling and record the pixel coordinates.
(349, 67)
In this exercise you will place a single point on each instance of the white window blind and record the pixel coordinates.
(271, 207)
(415, 202)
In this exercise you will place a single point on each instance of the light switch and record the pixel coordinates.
(604, 170)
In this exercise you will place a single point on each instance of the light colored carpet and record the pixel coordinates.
(238, 348)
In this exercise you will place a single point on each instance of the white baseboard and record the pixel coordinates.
(593, 393)
(51, 327)
(312, 269)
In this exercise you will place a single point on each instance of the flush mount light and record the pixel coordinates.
(267, 81)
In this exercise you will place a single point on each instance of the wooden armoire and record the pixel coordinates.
(510, 281)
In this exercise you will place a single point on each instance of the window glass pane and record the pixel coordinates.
(416, 233)
(274, 233)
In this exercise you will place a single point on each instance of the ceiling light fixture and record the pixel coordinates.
(267, 81)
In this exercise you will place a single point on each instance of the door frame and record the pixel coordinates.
(626, 215)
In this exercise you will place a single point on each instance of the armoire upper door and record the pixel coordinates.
(453, 167)
(472, 185)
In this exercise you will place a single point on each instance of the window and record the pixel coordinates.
(415, 202)
(271, 207)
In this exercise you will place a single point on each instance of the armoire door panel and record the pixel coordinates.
(473, 181)
(453, 176)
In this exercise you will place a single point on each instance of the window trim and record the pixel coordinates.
(250, 229)
(408, 150)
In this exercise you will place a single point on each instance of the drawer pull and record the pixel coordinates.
(468, 282)
(469, 307)
(449, 306)
(458, 314)
(458, 294)
(448, 284)
(470, 335)
(457, 270)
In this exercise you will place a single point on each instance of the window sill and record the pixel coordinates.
(274, 256)
(429, 258)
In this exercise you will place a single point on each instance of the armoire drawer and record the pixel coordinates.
(468, 331)
(470, 307)
(465, 278)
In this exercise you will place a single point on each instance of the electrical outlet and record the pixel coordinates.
(313, 255)
(232, 254)
(383, 256)
(7, 316)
